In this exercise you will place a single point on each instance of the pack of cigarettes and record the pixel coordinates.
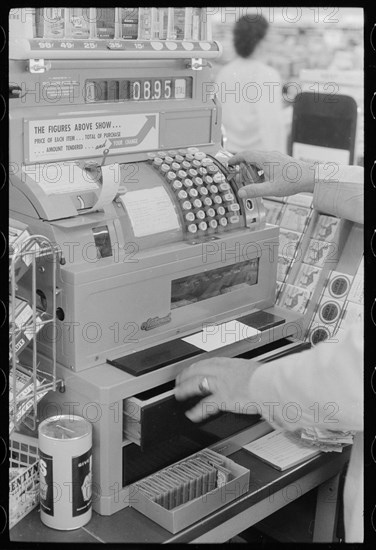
(330, 310)
(26, 396)
(24, 387)
(288, 242)
(24, 409)
(319, 253)
(17, 245)
(325, 228)
(356, 293)
(273, 211)
(308, 276)
(22, 325)
(338, 285)
(283, 266)
(319, 333)
(295, 217)
(16, 236)
(278, 289)
(294, 298)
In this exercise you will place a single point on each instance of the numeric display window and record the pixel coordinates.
(138, 89)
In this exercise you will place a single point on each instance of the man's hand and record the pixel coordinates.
(283, 175)
(227, 383)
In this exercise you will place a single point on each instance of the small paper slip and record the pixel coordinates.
(151, 211)
(218, 336)
(281, 449)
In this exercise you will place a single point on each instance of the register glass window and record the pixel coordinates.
(208, 284)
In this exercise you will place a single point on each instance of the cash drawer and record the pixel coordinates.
(154, 415)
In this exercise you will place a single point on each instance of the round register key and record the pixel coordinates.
(182, 194)
(190, 217)
(200, 155)
(182, 174)
(157, 162)
(192, 228)
(177, 185)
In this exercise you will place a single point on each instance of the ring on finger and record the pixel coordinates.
(204, 386)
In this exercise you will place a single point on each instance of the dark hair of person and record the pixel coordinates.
(248, 32)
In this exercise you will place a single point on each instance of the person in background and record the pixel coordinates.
(250, 93)
(328, 373)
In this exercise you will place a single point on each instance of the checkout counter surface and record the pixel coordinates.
(269, 491)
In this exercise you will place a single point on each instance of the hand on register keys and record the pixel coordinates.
(206, 198)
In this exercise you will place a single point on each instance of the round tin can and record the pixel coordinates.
(65, 471)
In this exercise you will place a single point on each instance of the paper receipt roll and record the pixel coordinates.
(110, 176)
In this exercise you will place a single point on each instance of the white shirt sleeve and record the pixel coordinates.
(321, 387)
(339, 191)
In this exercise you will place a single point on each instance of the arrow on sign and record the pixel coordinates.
(131, 141)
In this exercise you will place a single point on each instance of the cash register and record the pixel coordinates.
(115, 156)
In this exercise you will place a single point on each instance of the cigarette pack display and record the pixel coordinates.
(330, 310)
(308, 276)
(283, 267)
(288, 243)
(24, 407)
(300, 199)
(19, 249)
(53, 23)
(105, 22)
(144, 24)
(196, 24)
(320, 252)
(273, 211)
(318, 332)
(22, 326)
(162, 23)
(126, 20)
(278, 290)
(325, 228)
(338, 285)
(294, 298)
(356, 293)
(76, 22)
(295, 217)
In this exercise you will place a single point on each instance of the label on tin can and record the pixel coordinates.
(46, 483)
(81, 483)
